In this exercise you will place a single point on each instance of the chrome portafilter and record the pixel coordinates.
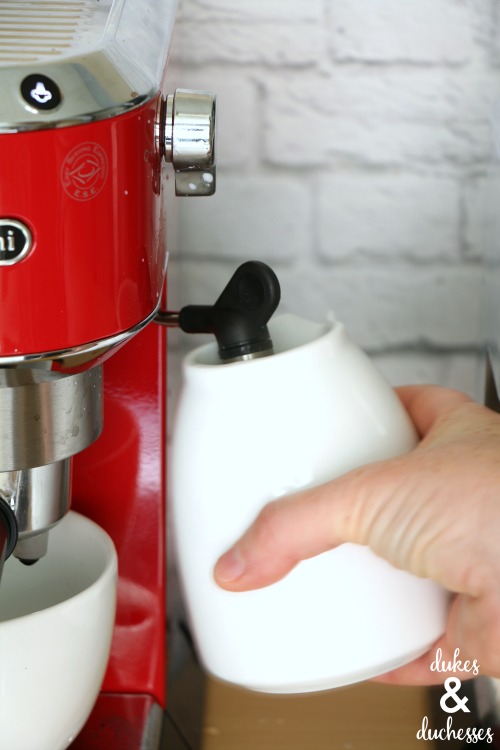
(38, 498)
(45, 418)
(8, 533)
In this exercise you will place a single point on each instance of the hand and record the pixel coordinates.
(434, 512)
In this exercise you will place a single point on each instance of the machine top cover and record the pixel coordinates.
(69, 61)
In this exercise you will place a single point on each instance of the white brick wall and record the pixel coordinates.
(354, 156)
(391, 31)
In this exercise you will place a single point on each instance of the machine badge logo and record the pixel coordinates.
(15, 241)
(84, 171)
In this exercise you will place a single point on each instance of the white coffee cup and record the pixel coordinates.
(249, 432)
(56, 623)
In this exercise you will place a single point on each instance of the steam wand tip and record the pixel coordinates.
(239, 317)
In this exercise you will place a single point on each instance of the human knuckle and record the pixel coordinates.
(268, 524)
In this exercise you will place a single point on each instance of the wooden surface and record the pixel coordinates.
(362, 717)
(205, 714)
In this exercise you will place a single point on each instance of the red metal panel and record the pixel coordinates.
(90, 195)
(118, 722)
(120, 483)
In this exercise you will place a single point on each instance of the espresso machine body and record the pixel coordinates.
(85, 127)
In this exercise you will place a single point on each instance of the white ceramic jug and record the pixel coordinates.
(249, 432)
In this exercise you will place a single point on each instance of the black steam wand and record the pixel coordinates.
(239, 318)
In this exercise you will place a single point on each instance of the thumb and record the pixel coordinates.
(386, 505)
(295, 528)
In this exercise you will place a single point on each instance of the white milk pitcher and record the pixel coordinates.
(260, 428)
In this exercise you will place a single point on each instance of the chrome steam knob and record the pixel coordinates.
(188, 140)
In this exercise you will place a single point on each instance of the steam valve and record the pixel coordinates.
(239, 318)
(187, 140)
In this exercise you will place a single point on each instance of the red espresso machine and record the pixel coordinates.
(85, 127)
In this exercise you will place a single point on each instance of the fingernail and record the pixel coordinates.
(229, 567)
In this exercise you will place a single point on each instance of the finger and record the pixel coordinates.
(425, 404)
(316, 520)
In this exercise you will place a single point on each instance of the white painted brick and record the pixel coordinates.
(491, 307)
(248, 218)
(389, 215)
(406, 88)
(308, 139)
(287, 11)
(411, 368)
(481, 215)
(391, 305)
(466, 372)
(237, 102)
(298, 134)
(460, 371)
(483, 22)
(495, 34)
(262, 43)
(427, 31)
(385, 93)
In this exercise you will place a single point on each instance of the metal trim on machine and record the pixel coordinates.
(78, 358)
(93, 89)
